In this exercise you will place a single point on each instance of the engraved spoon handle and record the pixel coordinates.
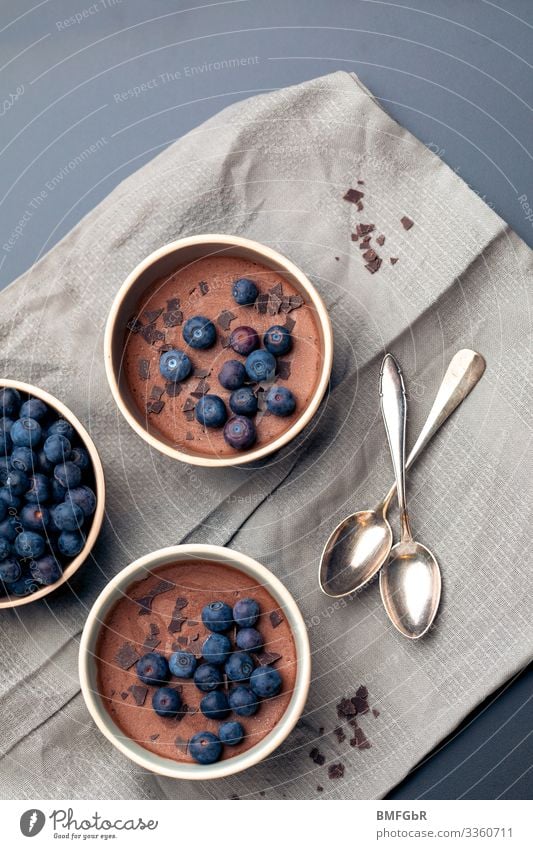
(464, 371)
(394, 411)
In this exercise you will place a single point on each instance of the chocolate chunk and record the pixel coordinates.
(151, 316)
(181, 744)
(360, 700)
(189, 415)
(374, 265)
(276, 289)
(346, 708)
(202, 389)
(296, 301)
(353, 195)
(173, 318)
(225, 318)
(126, 656)
(290, 323)
(134, 325)
(360, 182)
(183, 641)
(284, 369)
(172, 389)
(407, 223)
(355, 237)
(319, 788)
(316, 757)
(381, 240)
(139, 694)
(274, 304)
(173, 304)
(143, 368)
(151, 334)
(154, 406)
(189, 405)
(285, 304)
(224, 341)
(339, 734)
(201, 372)
(360, 206)
(276, 618)
(369, 255)
(189, 436)
(337, 258)
(124, 695)
(156, 393)
(335, 771)
(176, 624)
(261, 303)
(181, 603)
(393, 260)
(267, 658)
(151, 642)
(364, 229)
(365, 243)
(204, 288)
(359, 740)
(164, 347)
(145, 602)
(375, 712)
(153, 737)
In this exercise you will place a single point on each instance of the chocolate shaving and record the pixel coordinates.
(154, 406)
(369, 255)
(359, 740)
(153, 737)
(189, 405)
(189, 415)
(124, 695)
(156, 393)
(393, 260)
(335, 771)
(224, 341)
(290, 323)
(180, 603)
(346, 708)
(355, 237)
(189, 436)
(284, 369)
(364, 229)
(173, 318)
(139, 694)
(285, 304)
(374, 265)
(296, 301)
(276, 618)
(225, 318)
(365, 243)
(201, 372)
(134, 325)
(204, 288)
(164, 347)
(381, 240)
(317, 757)
(183, 641)
(151, 334)
(360, 700)
(126, 656)
(151, 316)
(407, 223)
(353, 195)
(176, 624)
(276, 289)
(360, 206)
(267, 658)
(172, 389)
(261, 303)
(151, 642)
(143, 368)
(339, 734)
(145, 602)
(274, 304)
(173, 304)
(202, 389)
(180, 743)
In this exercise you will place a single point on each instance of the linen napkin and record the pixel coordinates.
(452, 275)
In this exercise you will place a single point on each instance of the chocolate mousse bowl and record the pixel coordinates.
(195, 662)
(218, 350)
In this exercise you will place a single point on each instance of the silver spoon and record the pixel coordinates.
(410, 582)
(360, 544)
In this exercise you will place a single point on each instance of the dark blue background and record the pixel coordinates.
(456, 73)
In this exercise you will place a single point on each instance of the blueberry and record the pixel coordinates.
(249, 639)
(39, 489)
(166, 701)
(56, 448)
(210, 411)
(207, 677)
(34, 518)
(23, 587)
(214, 705)
(3, 510)
(43, 463)
(11, 500)
(5, 439)
(265, 681)
(70, 543)
(152, 668)
(242, 701)
(244, 340)
(182, 664)
(17, 482)
(240, 432)
(30, 544)
(67, 516)
(26, 432)
(232, 374)
(243, 402)
(244, 291)
(33, 408)
(5, 548)
(231, 733)
(205, 747)
(217, 616)
(277, 340)
(46, 571)
(239, 666)
(23, 459)
(280, 401)
(10, 571)
(246, 612)
(67, 474)
(81, 458)
(199, 332)
(63, 428)
(260, 366)
(216, 648)
(9, 401)
(84, 498)
(174, 365)
(58, 493)
(9, 528)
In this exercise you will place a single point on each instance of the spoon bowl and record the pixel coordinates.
(410, 586)
(356, 549)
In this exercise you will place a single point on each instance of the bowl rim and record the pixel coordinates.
(272, 256)
(98, 469)
(134, 751)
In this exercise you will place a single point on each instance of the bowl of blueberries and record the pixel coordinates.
(218, 350)
(52, 493)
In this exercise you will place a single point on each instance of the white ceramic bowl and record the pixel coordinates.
(98, 471)
(162, 262)
(88, 666)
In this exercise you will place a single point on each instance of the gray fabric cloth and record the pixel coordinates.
(275, 168)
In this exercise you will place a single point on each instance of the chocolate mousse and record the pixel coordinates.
(162, 615)
(205, 290)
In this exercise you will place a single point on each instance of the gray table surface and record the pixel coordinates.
(90, 91)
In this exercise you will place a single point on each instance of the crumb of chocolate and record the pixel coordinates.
(154, 406)
(393, 260)
(407, 222)
(296, 301)
(173, 304)
(154, 737)
(375, 712)
(183, 641)
(134, 325)
(124, 695)
(374, 265)
(139, 694)
(360, 182)
(365, 243)
(381, 240)
(276, 289)
(337, 258)
(369, 255)
(360, 206)
(172, 389)
(319, 788)
(145, 602)
(364, 229)
(151, 316)
(274, 304)
(317, 757)
(321, 730)
(151, 642)
(360, 700)
(173, 318)
(359, 740)
(201, 372)
(339, 734)
(189, 436)
(225, 318)
(126, 656)
(284, 369)
(346, 708)
(224, 341)
(204, 288)
(335, 771)
(189, 415)
(156, 393)
(353, 195)
(267, 658)
(290, 323)
(276, 618)
(261, 302)
(152, 335)
(189, 405)
(355, 237)
(144, 369)
(202, 389)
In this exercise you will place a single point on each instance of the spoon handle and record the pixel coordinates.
(394, 411)
(464, 371)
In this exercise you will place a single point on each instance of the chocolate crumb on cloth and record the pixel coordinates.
(335, 771)
(407, 222)
(353, 195)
